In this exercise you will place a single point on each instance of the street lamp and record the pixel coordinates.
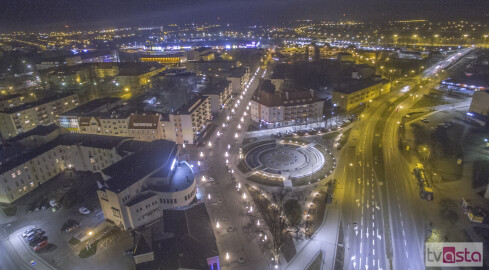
(201, 154)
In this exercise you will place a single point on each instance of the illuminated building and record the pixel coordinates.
(354, 93)
(219, 94)
(23, 118)
(286, 109)
(166, 59)
(137, 189)
(25, 171)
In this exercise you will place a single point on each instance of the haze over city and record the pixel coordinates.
(296, 134)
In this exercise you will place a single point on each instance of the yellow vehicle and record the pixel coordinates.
(425, 190)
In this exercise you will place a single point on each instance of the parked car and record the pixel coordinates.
(28, 231)
(41, 245)
(230, 229)
(38, 240)
(128, 252)
(424, 120)
(70, 225)
(240, 260)
(32, 232)
(210, 179)
(84, 210)
(37, 234)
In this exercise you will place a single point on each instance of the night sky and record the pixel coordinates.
(54, 14)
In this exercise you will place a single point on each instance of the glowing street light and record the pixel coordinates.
(229, 146)
(244, 195)
(227, 117)
(203, 178)
(236, 135)
(198, 162)
(242, 119)
(201, 154)
(210, 143)
(183, 145)
(226, 154)
(90, 233)
(239, 126)
(209, 196)
(217, 224)
(258, 223)
(218, 134)
(227, 255)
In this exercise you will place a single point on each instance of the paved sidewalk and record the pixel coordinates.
(324, 239)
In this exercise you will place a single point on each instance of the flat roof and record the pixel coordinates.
(90, 107)
(7, 97)
(191, 105)
(37, 131)
(354, 85)
(216, 88)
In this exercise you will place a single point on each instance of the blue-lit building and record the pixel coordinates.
(148, 180)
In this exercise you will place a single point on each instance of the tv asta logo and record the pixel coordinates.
(453, 254)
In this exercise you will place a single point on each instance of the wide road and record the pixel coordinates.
(226, 204)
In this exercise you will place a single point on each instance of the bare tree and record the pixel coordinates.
(271, 221)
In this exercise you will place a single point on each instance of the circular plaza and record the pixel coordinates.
(278, 162)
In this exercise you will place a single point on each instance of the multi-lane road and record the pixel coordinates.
(364, 204)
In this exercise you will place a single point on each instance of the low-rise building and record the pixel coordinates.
(138, 188)
(354, 92)
(16, 120)
(288, 108)
(165, 59)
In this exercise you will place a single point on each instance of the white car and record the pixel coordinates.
(84, 210)
(210, 179)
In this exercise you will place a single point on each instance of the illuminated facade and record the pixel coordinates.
(24, 173)
(137, 189)
(23, 118)
(290, 108)
(353, 95)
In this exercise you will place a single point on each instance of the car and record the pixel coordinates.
(230, 229)
(69, 225)
(28, 231)
(241, 260)
(41, 245)
(37, 234)
(128, 252)
(38, 240)
(210, 179)
(32, 232)
(424, 120)
(84, 210)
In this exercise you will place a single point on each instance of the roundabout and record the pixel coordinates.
(290, 163)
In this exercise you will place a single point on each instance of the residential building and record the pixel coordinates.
(355, 92)
(165, 59)
(14, 100)
(24, 172)
(16, 120)
(149, 180)
(188, 122)
(285, 109)
(238, 77)
(219, 94)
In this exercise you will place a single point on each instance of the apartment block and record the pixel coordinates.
(16, 120)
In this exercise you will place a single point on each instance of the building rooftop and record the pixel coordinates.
(144, 121)
(287, 98)
(36, 103)
(7, 97)
(181, 179)
(91, 107)
(216, 88)
(37, 131)
(191, 105)
(136, 69)
(143, 159)
(353, 85)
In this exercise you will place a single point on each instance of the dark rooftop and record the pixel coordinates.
(37, 131)
(189, 107)
(7, 97)
(91, 107)
(147, 158)
(216, 88)
(353, 85)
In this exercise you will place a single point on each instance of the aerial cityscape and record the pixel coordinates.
(247, 135)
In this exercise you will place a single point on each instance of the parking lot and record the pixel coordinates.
(61, 251)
